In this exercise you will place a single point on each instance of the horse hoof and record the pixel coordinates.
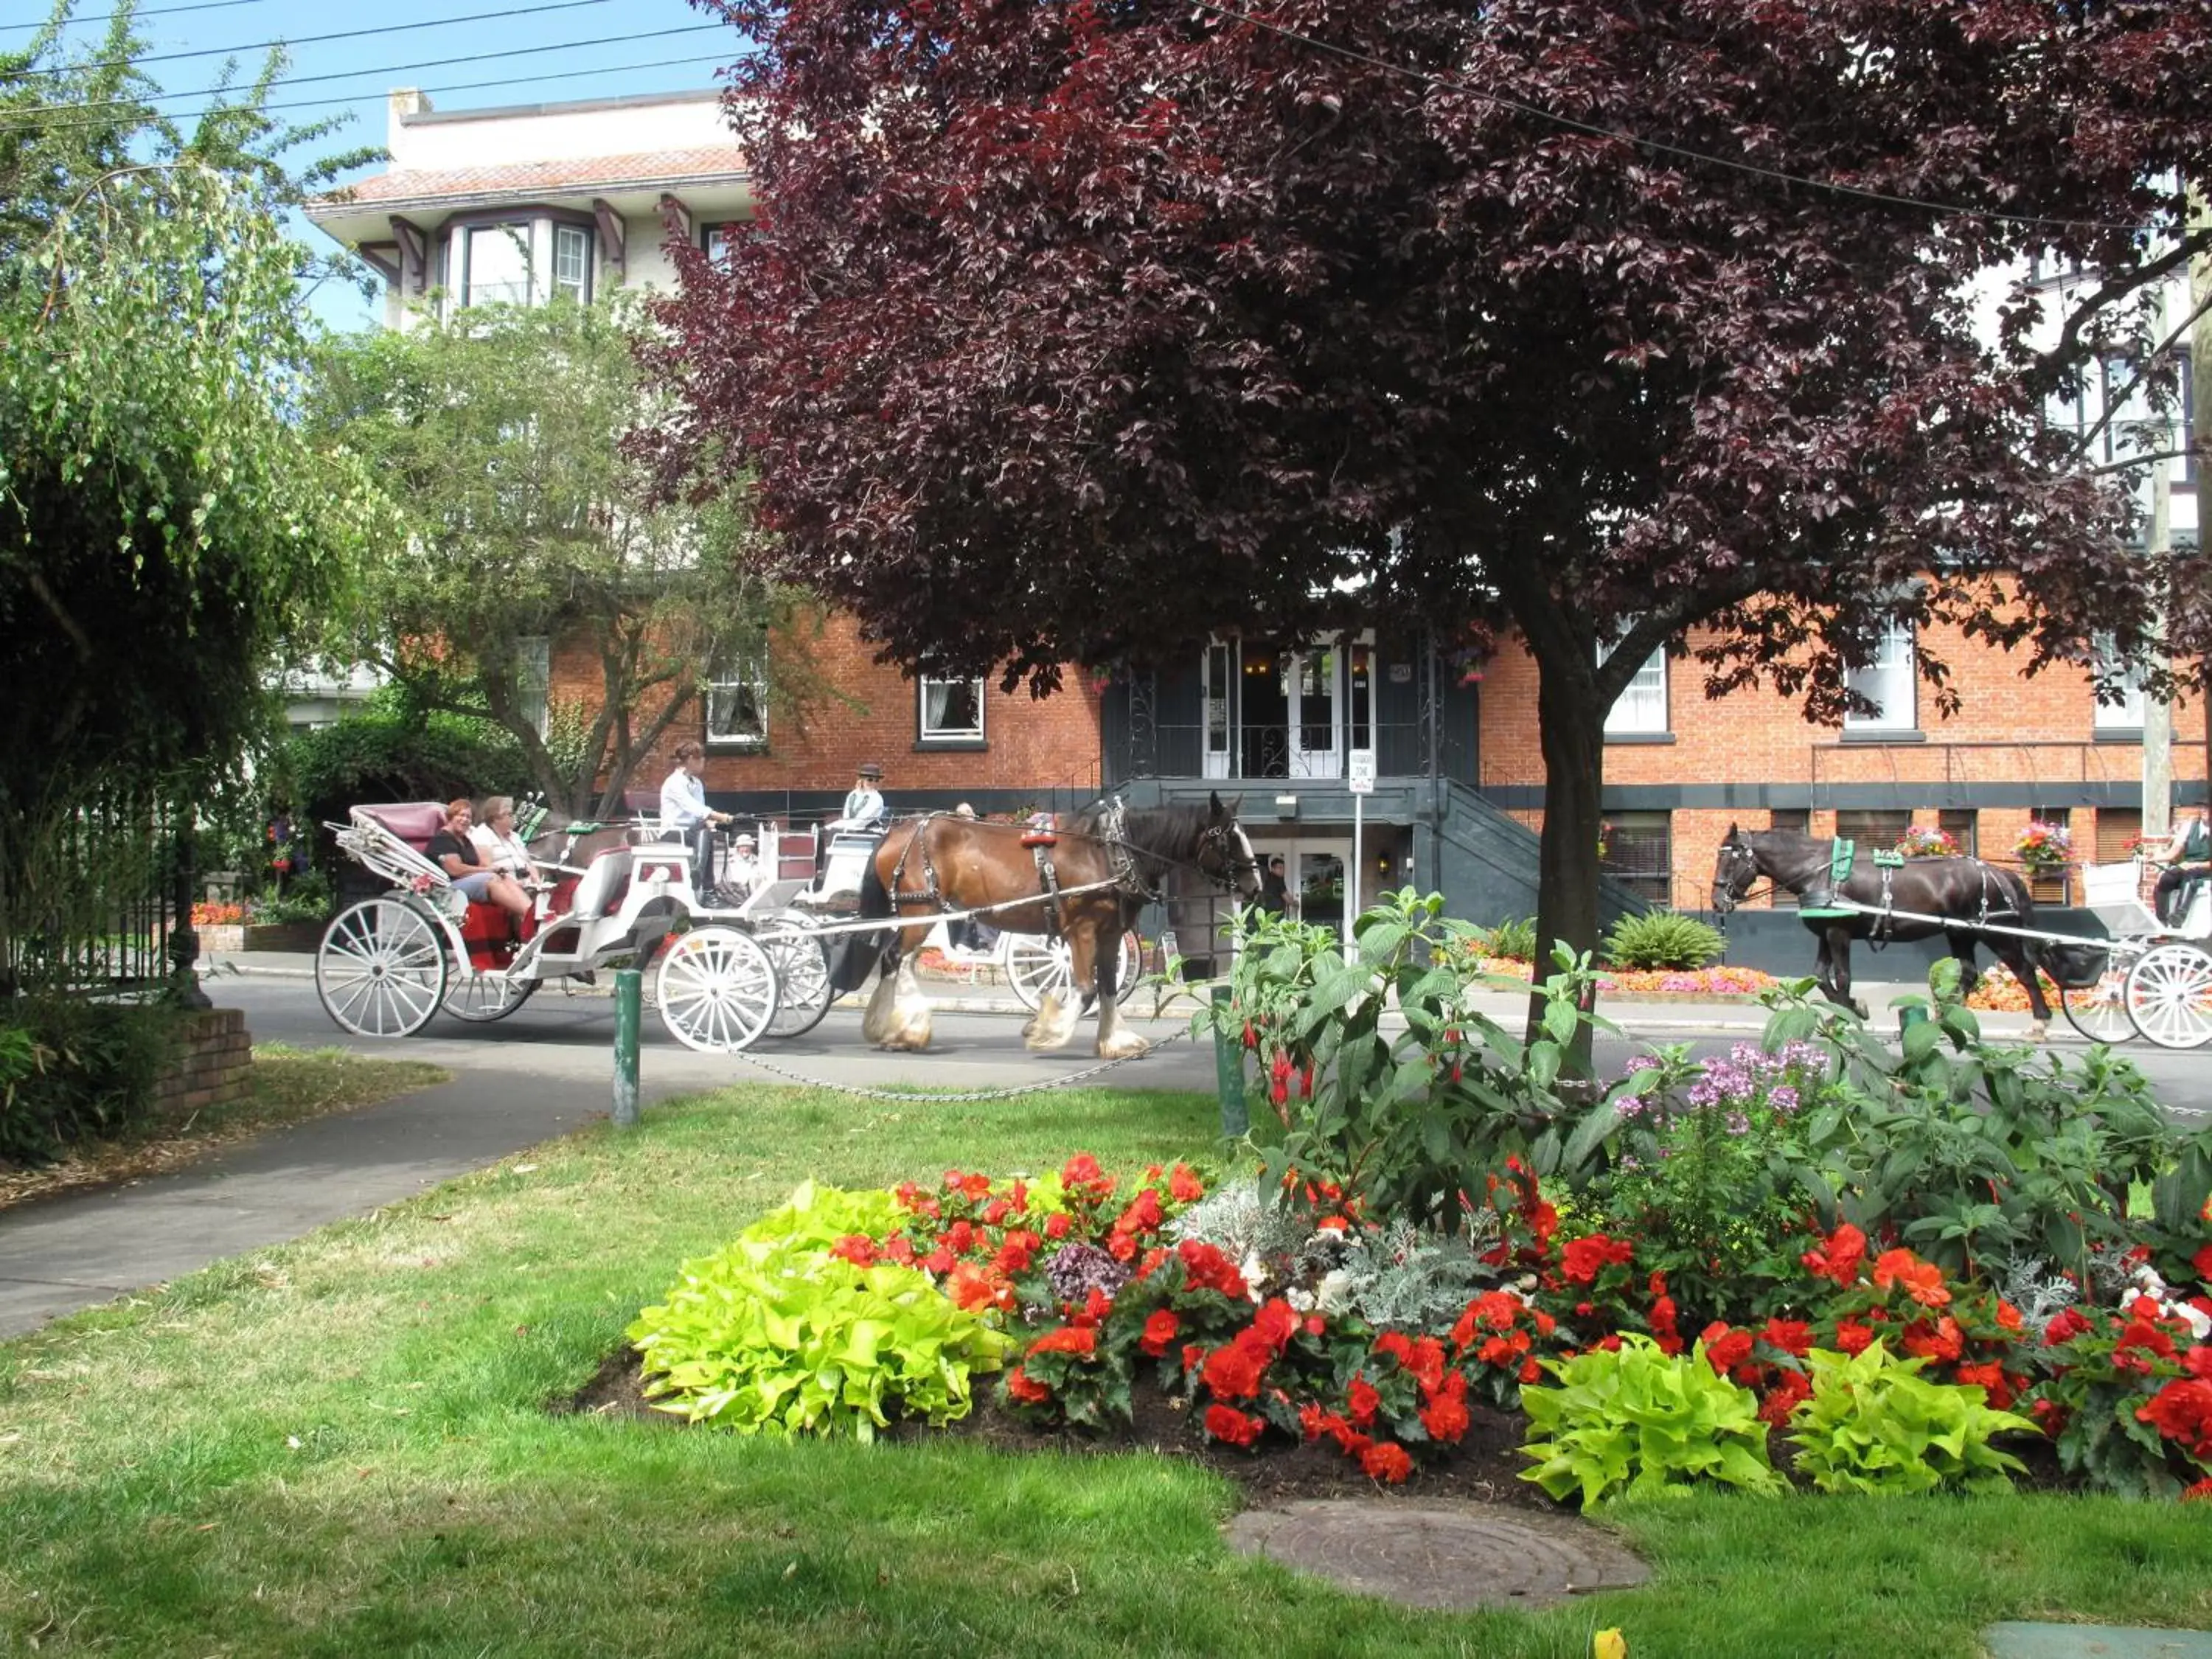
(2038, 1030)
(1123, 1045)
(1860, 1009)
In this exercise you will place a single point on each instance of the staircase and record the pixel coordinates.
(1485, 861)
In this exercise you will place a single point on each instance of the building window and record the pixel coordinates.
(572, 262)
(1962, 825)
(533, 680)
(496, 265)
(1788, 817)
(2119, 829)
(737, 693)
(1642, 706)
(1875, 832)
(1640, 854)
(2051, 887)
(2127, 714)
(719, 238)
(952, 711)
(1887, 683)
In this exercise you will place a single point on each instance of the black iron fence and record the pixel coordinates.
(91, 900)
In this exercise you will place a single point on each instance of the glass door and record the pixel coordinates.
(1220, 736)
(1311, 679)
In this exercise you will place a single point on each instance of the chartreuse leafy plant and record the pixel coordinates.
(1642, 1423)
(1663, 939)
(775, 1333)
(1874, 1424)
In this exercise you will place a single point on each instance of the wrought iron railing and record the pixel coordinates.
(1280, 750)
(92, 901)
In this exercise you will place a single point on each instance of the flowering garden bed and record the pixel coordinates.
(1813, 1261)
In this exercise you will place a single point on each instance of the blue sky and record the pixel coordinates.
(601, 48)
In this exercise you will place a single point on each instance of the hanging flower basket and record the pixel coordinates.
(1924, 840)
(2043, 848)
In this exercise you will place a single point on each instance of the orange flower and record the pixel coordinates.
(1026, 1389)
(1386, 1461)
(1227, 1422)
(1184, 1186)
(1068, 1339)
(1160, 1330)
(1923, 1280)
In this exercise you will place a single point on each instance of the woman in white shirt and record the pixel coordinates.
(503, 850)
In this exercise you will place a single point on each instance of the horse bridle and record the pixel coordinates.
(1736, 859)
(1232, 860)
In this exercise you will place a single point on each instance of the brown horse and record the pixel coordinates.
(1106, 864)
(1967, 894)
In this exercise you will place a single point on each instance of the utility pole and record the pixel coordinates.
(2158, 713)
(2200, 417)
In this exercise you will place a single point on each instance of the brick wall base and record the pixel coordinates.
(215, 1069)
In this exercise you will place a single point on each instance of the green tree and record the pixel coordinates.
(165, 526)
(499, 433)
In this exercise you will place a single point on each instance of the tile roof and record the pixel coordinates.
(539, 178)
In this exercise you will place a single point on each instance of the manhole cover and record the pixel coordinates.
(1438, 1555)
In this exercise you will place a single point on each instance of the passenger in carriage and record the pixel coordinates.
(470, 868)
(504, 850)
(864, 802)
(2184, 853)
(742, 873)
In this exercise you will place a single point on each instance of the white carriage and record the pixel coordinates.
(2146, 979)
(387, 964)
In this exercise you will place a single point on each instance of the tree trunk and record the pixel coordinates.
(1571, 728)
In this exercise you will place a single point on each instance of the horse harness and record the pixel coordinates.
(1820, 902)
(1040, 837)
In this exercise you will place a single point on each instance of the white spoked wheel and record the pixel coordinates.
(380, 970)
(2170, 996)
(715, 989)
(481, 999)
(1036, 965)
(2099, 1012)
(802, 979)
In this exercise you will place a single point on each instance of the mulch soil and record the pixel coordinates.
(1484, 1468)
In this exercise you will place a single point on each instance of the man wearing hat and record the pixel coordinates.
(741, 871)
(864, 806)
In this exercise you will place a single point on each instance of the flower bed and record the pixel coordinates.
(1696, 983)
(1907, 1269)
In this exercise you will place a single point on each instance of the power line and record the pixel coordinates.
(72, 108)
(158, 11)
(318, 40)
(1658, 146)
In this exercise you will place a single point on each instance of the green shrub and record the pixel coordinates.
(72, 1070)
(1663, 939)
(1638, 1421)
(1514, 938)
(1874, 1424)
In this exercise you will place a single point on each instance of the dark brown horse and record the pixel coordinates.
(1108, 863)
(1967, 894)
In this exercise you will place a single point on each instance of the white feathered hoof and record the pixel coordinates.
(1052, 1027)
(1122, 1045)
(2037, 1030)
(875, 1022)
(898, 1015)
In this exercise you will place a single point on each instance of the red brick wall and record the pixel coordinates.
(1029, 743)
(2010, 730)
(213, 1067)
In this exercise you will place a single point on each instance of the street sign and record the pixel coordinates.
(1361, 777)
(1361, 786)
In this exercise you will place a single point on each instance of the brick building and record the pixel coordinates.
(521, 203)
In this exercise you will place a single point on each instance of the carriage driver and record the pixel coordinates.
(864, 803)
(685, 815)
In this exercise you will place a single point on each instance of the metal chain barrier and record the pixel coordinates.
(910, 1096)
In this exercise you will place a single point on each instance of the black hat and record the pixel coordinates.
(870, 770)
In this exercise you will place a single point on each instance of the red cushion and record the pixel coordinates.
(414, 822)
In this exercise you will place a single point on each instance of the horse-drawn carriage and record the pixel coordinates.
(388, 964)
(2145, 979)
(725, 975)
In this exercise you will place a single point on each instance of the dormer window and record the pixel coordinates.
(496, 265)
(520, 261)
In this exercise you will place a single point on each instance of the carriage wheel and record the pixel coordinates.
(2099, 1012)
(1036, 965)
(483, 998)
(715, 989)
(380, 970)
(801, 960)
(2170, 996)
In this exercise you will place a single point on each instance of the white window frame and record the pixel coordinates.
(518, 233)
(1889, 682)
(533, 680)
(2127, 714)
(931, 728)
(579, 286)
(1641, 708)
(738, 668)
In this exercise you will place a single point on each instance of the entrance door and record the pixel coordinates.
(1315, 871)
(1312, 678)
(1218, 736)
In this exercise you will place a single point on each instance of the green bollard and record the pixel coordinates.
(1910, 1016)
(1228, 1076)
(629, 997)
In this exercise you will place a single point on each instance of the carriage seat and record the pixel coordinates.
(413, 822)
(601, 888)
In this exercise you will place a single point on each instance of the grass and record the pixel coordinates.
(339, 1448)
(289, 1085)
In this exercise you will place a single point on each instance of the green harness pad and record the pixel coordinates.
(1841, 856)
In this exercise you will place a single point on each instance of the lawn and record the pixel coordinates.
(340, 1447)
